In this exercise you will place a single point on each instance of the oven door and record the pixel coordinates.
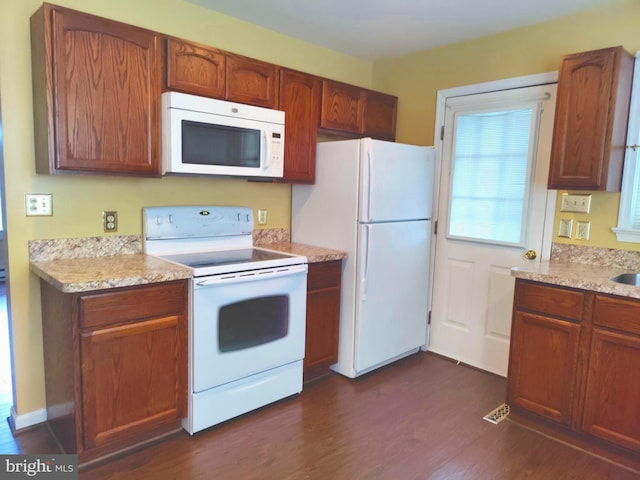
(246, 323)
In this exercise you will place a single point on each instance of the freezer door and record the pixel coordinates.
(392, 290)
(396, 181)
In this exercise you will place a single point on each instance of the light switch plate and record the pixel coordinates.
(38, 204)
(575, 202)
(565, 226)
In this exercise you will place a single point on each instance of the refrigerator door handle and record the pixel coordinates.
(366, 213)
(365, 276)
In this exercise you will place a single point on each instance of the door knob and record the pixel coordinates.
(530, 254)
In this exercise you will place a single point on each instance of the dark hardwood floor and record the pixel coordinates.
(420, 418)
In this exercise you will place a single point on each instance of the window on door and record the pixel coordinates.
(628, 229)
(491, 171)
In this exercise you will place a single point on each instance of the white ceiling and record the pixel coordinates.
(373, 29)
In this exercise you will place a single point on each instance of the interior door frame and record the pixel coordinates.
(438, 140)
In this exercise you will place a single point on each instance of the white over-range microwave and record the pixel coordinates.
(205, 136)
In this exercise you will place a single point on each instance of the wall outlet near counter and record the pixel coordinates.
(583, 229)
(262, 216)
(38, 204)
(110, 221)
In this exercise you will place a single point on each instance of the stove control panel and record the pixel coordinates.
(195, 221)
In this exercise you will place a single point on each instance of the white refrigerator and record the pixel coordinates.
(373, 200)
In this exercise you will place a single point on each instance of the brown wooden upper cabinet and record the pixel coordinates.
(347, 109)
(592, 111)
(342, 107)
(379, 115)
(195, 69)
(252, 81)
(300, 101)
(96, 94)
(202, 70)
(97, 85)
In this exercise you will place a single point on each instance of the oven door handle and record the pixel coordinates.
(252, 275)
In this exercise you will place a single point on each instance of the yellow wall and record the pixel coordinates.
(416, 79)
(78, 201)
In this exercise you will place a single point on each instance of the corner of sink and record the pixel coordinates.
(632, 279)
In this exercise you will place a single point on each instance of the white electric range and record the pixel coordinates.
(247, 310)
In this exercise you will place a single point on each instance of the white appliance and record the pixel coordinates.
(247, 310)
(205, 136)
(373, 199)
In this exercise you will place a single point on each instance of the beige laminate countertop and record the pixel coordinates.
(72, 275)
(596, 278)
(313, 254)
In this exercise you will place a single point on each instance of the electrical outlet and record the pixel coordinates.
(262, 216)
(583, 229)
(38, 204)
(110, 221)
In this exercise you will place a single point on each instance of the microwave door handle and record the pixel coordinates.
(267, 150)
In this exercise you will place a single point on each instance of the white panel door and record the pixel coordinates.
(486, 225)
(392, 290)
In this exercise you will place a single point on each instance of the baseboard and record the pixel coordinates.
(27, 420)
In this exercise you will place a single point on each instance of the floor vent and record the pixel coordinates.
(498, 414)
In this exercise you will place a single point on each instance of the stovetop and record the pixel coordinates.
(226, 261)
(210, 239)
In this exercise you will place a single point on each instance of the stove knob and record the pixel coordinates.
(171, 218)
(158, 220)
(238, 217)
(248, 218)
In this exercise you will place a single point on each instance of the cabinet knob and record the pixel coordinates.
(530, 254)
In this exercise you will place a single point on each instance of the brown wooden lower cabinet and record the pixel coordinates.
(323, 318)
(115, 365)
(574, 367)
(612, 407)
(544, 365)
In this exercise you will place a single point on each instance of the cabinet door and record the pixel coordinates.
(300, 101)
(251, 81)
(132, 381)
(323, 318)
(342, 107)
(321, 346)
(379, 117)
(543, 365)
(191, 68)
(103, 98)
(592, 110)
(612, 405)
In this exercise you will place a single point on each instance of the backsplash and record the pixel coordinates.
(609, 257)
(57, 248)
(270, 235)
(84, 247)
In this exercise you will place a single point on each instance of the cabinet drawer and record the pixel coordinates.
(132, 304)
(551, 300)
(618, 313)
(324, 275)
